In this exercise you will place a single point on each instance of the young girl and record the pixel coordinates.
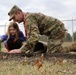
(14, 38)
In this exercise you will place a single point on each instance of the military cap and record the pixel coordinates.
(12, 12)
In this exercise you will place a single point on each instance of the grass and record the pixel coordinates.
(48, 68)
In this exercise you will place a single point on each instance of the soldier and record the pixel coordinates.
(37, 24)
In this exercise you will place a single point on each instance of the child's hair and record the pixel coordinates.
(15, 25)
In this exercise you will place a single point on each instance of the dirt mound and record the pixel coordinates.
(71, 57)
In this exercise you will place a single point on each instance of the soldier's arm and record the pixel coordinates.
(32, 36)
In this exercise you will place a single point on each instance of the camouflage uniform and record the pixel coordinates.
(40, 24)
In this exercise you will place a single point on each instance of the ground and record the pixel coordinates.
(54, 64)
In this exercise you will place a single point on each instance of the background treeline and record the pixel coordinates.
(68, 37)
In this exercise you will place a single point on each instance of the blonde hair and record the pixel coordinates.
(14, 25)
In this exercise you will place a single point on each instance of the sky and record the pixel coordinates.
(64, 10)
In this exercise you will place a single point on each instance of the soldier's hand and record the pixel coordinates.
(15, 51)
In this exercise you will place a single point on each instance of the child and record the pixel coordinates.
(14, 38)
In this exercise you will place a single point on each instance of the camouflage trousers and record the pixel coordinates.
(70, 48)
(54, 46)
(55, 40)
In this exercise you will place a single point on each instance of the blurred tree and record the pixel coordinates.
(74, 36)
(68, 37)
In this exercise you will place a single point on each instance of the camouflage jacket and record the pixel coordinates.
(39, 24)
